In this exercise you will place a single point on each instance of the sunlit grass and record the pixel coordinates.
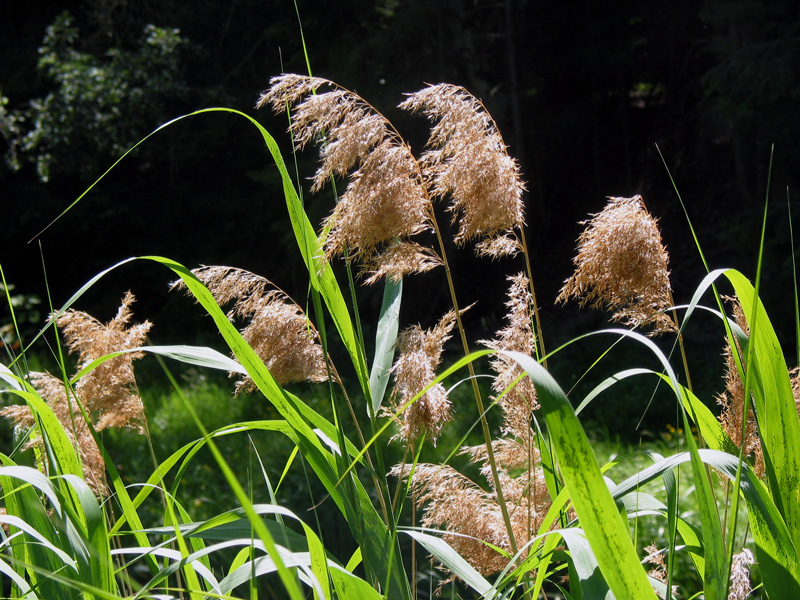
(284, 492)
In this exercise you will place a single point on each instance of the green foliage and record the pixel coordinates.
(99, 106)
(63, 543)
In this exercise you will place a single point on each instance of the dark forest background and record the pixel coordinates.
(584, 93)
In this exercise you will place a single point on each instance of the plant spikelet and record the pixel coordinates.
(398, 259)
(520, 401)
(109, 390)
(622, 264)
(732, 399)
(740, 575)
(414, 370)
(386, 200)
(287, 89)
(471, 515)
(107, 393)
(467, 512)
(469, 162)
(279, 331)
(655, 557)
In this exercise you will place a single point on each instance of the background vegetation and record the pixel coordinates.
(582, 92)
(582, 95)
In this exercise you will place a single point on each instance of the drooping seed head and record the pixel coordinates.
(468, 162)
(278, 330)
(623, 264)
(386, 200)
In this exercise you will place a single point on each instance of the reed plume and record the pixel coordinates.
(655, 557)
(520, 400)
(278, 331)
(732, 399)
(623, 264)
(468, 161)
(414, 370)
(740, 587)
(470, 515)
(108, 393)
(386, 201)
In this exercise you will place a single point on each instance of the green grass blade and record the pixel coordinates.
(596, 509)
(100, 573)
(445, 554)
(385, 338)
(57, 444)
(365, 523)
(776, 412)
(19, 485)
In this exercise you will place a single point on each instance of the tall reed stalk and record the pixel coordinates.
(72, 527)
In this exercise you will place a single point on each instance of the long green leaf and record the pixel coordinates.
(596, 509)
(385, 339)
(776, 412)
(365, 523)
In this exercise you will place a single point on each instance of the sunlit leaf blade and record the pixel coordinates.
(778, 559)
(596, 509)
(451, 559)
(776, 411)
(362, 517)
(385, 338)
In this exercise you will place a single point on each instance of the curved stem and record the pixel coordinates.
(487, 436)
(539, 342)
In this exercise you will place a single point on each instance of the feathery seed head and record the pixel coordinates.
(399, 259)
(740, 575)
(655, 557)
(520, 401)
(107, 393)
(469, 162)
(286, 89)
(279, 331)
(732, 399)
(386, 199)
(414, 370)
(110, 389)
(623, 264)
(470, 514)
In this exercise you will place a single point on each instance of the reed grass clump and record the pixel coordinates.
(106, 395)
(532, 514)
(278, 330)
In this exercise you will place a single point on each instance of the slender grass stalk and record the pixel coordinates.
(487, 435)
(540, 349)
(752, 321)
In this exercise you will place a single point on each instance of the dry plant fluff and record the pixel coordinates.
(655, 557)
(278, 331)
(732, 400)
(740, 587)
(470, 515)
(386, 201)
(108, 393)
(623, 264)
(520, 400)
(468, 161)
(414, 370)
